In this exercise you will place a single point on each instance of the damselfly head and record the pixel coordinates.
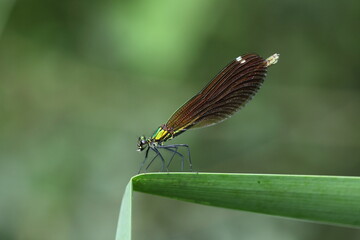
(142, 143)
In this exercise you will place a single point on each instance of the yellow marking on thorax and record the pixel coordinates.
(161, 134)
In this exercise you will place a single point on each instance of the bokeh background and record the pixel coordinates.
(81, 80)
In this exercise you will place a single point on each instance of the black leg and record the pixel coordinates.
(172, 148)
(146, 156)
(188, 150)
(172, 157)
(162, 159)
(152, 160)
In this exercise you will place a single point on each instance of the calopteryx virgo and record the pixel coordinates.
(228, 92)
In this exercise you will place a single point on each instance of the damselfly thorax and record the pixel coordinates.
(228, 92)
(156, 141)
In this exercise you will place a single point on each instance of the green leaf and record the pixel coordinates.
(124, 224)
(327, 199)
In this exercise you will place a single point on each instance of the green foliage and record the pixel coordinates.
(124, 223)
(326, 199)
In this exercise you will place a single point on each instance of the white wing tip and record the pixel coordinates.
(272, 59)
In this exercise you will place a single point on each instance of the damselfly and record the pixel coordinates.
(228, 92)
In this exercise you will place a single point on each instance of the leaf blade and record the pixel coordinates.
(327, 199)
(123, 231)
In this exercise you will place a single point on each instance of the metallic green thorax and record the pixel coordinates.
(162, 134)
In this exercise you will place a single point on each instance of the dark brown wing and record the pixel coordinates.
(230, 90)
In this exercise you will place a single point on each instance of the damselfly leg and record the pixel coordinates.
(176, 146)
(173, 155)
(146, 156)
(152, 160)
(171, 148)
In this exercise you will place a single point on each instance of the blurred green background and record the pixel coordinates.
(81, 80)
